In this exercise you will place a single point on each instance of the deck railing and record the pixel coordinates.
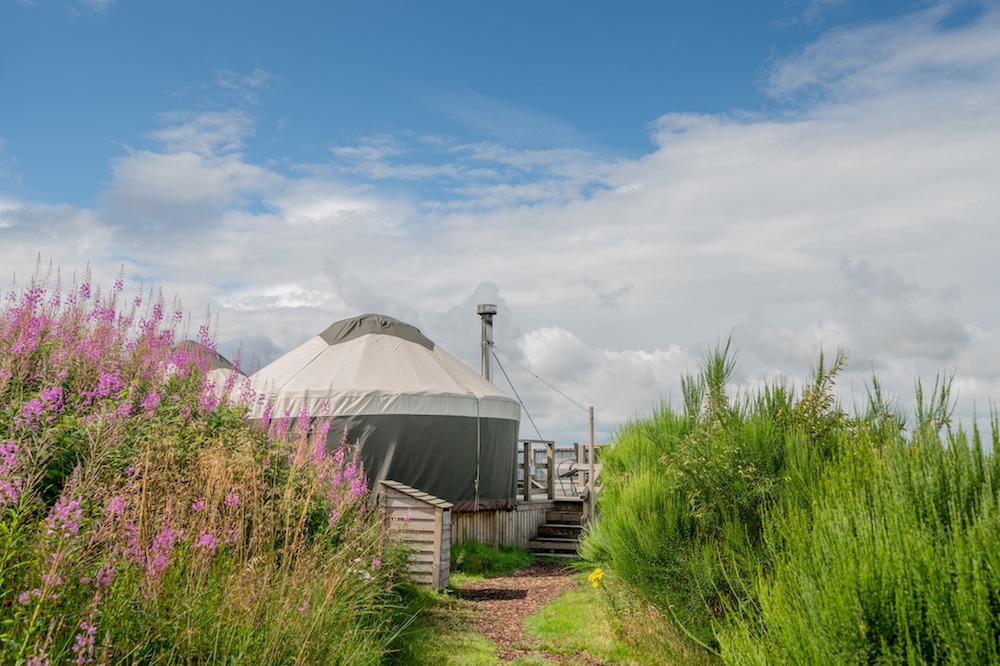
(570, 468)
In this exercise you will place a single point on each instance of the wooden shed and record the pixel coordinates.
(424, 524)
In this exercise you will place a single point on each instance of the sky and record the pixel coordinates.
(632, 183)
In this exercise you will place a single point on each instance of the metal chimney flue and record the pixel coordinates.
(486, 312)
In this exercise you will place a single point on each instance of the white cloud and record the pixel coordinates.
(173, 193)
(244, 87)
(275, 296)
(97, 6)
(908, 51)
(505, 122)
(207, 133)
(816, 9)
(892, 316)
(8, 163)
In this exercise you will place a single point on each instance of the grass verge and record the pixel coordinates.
(608, 625)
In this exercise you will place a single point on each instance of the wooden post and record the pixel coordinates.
(527, 471)
(550, 469)
(590, 465)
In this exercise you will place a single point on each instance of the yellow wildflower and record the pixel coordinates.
(595, 577)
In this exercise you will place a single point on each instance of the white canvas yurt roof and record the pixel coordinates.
(224, 377)
(421, 416)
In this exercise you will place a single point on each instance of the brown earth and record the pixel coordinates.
(501, 604)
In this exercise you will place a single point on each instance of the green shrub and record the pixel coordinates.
(774, 529)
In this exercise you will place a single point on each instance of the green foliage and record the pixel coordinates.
(477, 559)
(772, 528)
(896, 560)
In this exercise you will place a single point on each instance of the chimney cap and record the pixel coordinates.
(486, 309)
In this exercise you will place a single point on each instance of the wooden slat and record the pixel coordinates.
(500, 528)
(423, 522)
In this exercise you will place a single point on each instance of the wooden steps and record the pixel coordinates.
(560, 535)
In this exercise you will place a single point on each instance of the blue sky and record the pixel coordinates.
(631, 181)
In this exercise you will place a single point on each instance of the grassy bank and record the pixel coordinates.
(144, 519)
(774, 527)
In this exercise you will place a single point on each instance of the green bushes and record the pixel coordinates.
(895, 560)
(773, 528)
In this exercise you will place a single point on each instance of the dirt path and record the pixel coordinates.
(501, 604)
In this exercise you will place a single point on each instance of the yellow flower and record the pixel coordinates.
(595, 577)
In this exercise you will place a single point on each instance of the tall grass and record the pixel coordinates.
(144, 519)
(775, 528)
(894, 560)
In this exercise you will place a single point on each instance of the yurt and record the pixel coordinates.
(224, 377)
(419, 415)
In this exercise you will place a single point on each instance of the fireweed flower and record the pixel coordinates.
(83, 647)
(198, 506)
(208, 401)
(31, 412)
(232, 499)
(10, 485)
(207, 544)
(41, 659)
(103, 578)
(116, 506)
(358, 486)
(132, 548)
(55, 580)
(161, 550)
(150, 401)
(64, 518)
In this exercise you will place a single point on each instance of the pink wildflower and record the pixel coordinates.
(132, 548)
(83, 648)
(150, 402)
(63, 519)
(116, 506)
(10, 486)
(198, 506)
(207, 544)
(105, 576)
(161, 550)
(232, 499)
(208, 401)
